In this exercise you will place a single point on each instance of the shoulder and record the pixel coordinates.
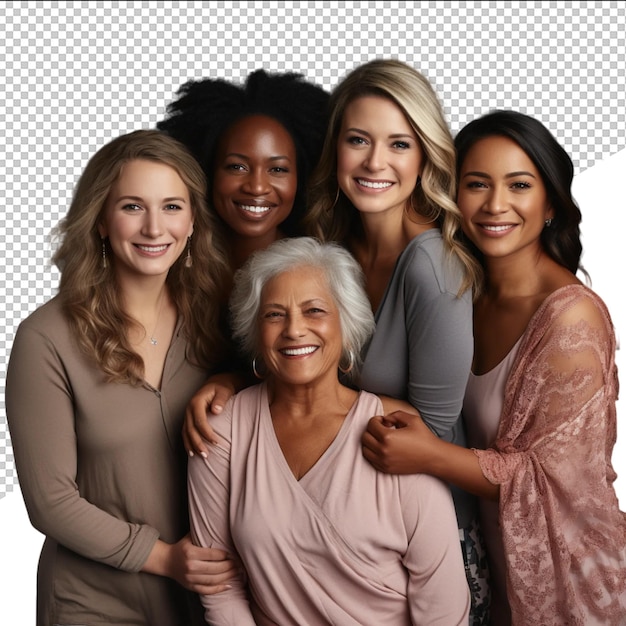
(426, 265)
(572, 305)
(48, 321)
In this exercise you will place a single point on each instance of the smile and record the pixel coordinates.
(145, 248)
(498, 229)
(298, 351)
(373, 184)
(254, 209)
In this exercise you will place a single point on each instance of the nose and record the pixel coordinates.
(256, 183)
(152, 224)
(375, 158)
(294, 326)
(496, 202)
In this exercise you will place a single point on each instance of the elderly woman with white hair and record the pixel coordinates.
(322, 537)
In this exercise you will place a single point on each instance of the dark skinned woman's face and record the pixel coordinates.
(255, 177)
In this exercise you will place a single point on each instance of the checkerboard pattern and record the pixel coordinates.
(76, 74)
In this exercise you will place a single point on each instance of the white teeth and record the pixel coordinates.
(498, 228)
(299, 351)
(152, 248)
(373, 185)
(255, 209)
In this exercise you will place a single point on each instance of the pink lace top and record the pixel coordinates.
(563, 534)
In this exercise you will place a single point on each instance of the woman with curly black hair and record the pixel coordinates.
(257, 143)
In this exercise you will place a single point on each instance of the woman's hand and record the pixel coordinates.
(399, 443)
(210, 399)
(201, 570)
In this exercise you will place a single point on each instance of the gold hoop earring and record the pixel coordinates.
(351, 359)
(255, 371)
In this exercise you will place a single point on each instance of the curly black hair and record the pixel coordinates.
(206, 108)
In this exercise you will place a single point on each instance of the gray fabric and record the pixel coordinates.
(103, 473)
(422, 349)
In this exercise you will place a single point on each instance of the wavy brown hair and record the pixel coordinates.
(89, 292)
(332, 217)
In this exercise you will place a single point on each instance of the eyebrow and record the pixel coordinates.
(392, 136)
(320, 301)
(509, 175)
(238, 155)
(140, 199)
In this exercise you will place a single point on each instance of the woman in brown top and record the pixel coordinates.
(97, 384)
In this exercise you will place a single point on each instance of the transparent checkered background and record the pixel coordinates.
(75, 75)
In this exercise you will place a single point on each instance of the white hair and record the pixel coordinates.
(344, 279)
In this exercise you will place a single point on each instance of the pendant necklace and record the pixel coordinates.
(153, 339)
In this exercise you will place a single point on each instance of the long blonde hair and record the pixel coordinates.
(89, 292)
(332, 217)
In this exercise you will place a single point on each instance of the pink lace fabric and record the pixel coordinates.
(563, 533)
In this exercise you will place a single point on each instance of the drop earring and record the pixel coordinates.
(188, 259)
(104, 253)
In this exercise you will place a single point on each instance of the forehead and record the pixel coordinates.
(378, 111)
(147, 173)
(258, 128)
(498, 154)
(299, 284)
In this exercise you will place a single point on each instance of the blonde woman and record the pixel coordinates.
(385, 189)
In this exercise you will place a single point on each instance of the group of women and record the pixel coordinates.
(431, 439)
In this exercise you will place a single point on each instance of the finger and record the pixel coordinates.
(200, 421)
(376, 428)
(209, 590)
(221, 397)
(372, 458)
(194, 443)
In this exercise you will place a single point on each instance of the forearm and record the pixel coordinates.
(459, 466)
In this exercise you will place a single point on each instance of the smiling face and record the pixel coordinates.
(255, 177)
(379, 158)
(300, 329)
(147, 217)
(502, 198)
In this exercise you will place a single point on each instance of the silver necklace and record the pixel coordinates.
(153, 339)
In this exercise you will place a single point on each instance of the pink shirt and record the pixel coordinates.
(343, 545)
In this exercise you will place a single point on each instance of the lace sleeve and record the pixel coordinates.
(558, 511)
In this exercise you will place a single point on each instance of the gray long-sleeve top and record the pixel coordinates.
(422, 348)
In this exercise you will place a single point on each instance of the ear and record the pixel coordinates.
(190, 230)
(102, 231)
(549, 213)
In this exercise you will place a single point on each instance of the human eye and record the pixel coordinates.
(520, 185)
(280, 169)
(272, 315)
(173, 207)
(235, 167)
(401, 145)
(476, 184)
(131, 207)
(356, 140)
